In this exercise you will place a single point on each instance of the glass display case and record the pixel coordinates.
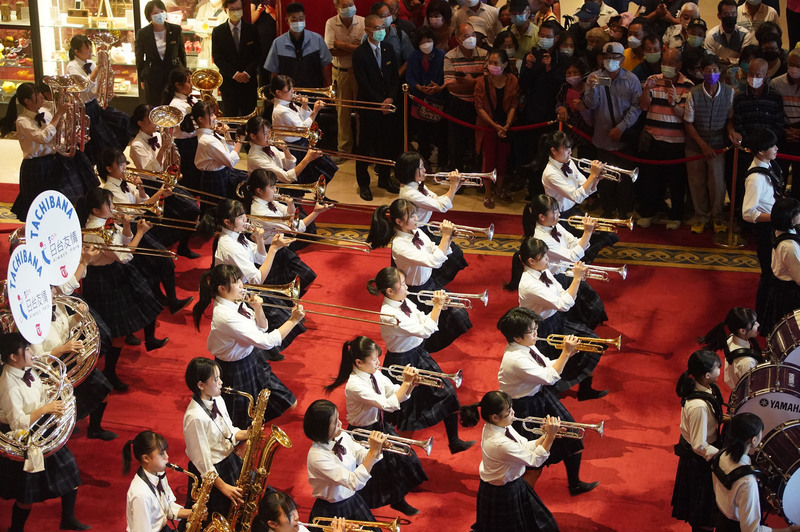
(16, 47)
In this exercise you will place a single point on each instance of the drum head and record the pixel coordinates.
(791, 499)
(778, 457)
(774, 408)
(783, 343)
(771, 391)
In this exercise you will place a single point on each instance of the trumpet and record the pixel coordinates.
(467, 180)
(612, 173)
(464, 231)
(608, 225)
(598, 273)
(587, 344)
(426, 377)
(326, 524)
(393, 444)
(454, 299)
(568, 429)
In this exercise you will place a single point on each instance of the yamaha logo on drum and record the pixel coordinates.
(764, 402)
(783, 405)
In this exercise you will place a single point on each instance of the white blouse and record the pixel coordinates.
(698, 425)
(143, 155)
(259, 207)
(243, 256)
(75, 66)
(180, 101)
(106, 257)
(567, 249)
(540, 298)
(759, 194)
(146, 511)
(504, 459)
(277, 163)
(35, 140)
(786, 260)
(364, 404)
(418, 264)
(283, 115)
(233, 335)
(566, 189)
(740, 366)
(212, 153)
(208, 441)
(427, 203)
(521, 375)
(332, 479)
(411, 330)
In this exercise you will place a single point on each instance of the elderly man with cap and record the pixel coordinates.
(479, 25)
(476, 8)
(525, 31)
(677, 34)
(612, 94)
(587, 19)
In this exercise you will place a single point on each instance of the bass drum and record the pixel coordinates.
(783, 343)
(771, 391)
(778, 457)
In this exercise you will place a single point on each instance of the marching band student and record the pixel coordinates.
(407, 345)
(541, 292)
(178, 94)
(109, 127)
(149, 151)
(414, 253)
(701, 415)
(262, 154)
(211, 436)
(277, 512)
(286, 114)
(338, 467)
(150, 504)
(410, 172)
(734, 479)
(238, 339)
(528, 378)
(43, 168)
(369, 394)
(157, 270)
(113, 287)
(506, 503)
(215, 159)
(22, 403)
(742, 352)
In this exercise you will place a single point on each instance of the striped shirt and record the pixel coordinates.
(664, 121)
(461, 73)
(789, 89)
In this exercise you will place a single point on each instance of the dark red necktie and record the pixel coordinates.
(219, 137)
(272, 207)
(153, 142)
(160, 486)
(242, 240)
(292, 106)
(27, 378)
(214, 409)
(123, 186)
(40, 119)
(545, 279)
(243, 311)
(554, 233)
(87, 67)
(338, 449)
(509, 435)
(406, 310)
(190, 100)
(422, 190)
(536, 357)
(416, 240)
(375, 384)
(268, 151)
(566, 169)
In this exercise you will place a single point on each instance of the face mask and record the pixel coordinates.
(519, 20)
(755, 82)
(511, 52)
(379, 35)
(159, 18)
(668, 71)
(573, 80)
(235, 15)
(612, 65)
(652, 57)
(437, 22)
(711, 78)
(469, 43)
(496, 70)
(633, 42)
(426, 47)
(546, 43)
(728, 23)
(770, 56)
(347, 12)
(387, 21)
(297, 27)
(472, 3)
(585, 25)
(794, 72)
(694, 40)
(567, 52)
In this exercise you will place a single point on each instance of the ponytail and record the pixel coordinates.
(259, 178)
(491, 404)
(144, 443)
(382, 228)
(742, 428)
(219, 275)
(126, 457)
(386, 278)
(715, 339)
(25, 91)
(700, 362)
(214, 220)
(529, 248)
(737, 318)
(360, 348)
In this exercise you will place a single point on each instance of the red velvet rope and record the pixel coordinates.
(473, 126)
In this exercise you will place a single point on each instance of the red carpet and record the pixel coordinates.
(658, 311)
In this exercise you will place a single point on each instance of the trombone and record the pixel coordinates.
(312, 133)
(326, 524)
(598, 273)
(106, 233)
(313, 203)
(464, 231)
(426, 377)
(608, 225)
(586, 344)
(454, 299)
(612, 173)
(467, 180)
(393, 444)
(237, 120)
(171, 180)
(568, 429)
(273, 228)
(150, 252)
(153, 210)
(317, 188)
(331, 153)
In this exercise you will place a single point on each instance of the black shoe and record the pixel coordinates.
(365, 193)
(117, 384)
(188, 253)
(132, 340)
(582, 487)
(73, 524)
(275, 357)
(179, 304)
(591, 394)
(105, 435)
(404, 508)
(155, 343)
(460, 445)
(388, 186)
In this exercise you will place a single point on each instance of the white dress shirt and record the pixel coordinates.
(411, 330)
(277, 163)
(568, 249)
(114, 185)
(146, 511)
(332, 479)
(245, 257)
(364, 404)
(740, 503)
(759, 194)
(740, 366)
(106, 257)
(180, 101)
(503, 460)
(17, 399)
(259, 207)
(566, 189)
(212, 153)
(208, 441)
(143, 155)
(59, 332)
(426, 204)
(543, 300)
(786, 260)
(283, 115)
(698, 425)
(418, 264)
(35, 140)
(521, 376)
(75, 66)
(233, 336)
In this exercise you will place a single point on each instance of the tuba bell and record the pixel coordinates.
(166, 117)
(105, 76)
(80, 364)
(72, 132)
(206, 80)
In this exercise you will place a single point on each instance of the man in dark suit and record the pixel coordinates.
(152, 67)
(235, 50)
(375, 67)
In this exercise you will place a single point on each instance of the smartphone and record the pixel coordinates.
(604, 81)
(664, 82)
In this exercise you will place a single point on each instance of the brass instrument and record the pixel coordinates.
(317, 188)
(80, 363)
(150, 252)
(169, 179)
(426, 377)
(331, 153)
(105, 75)
(327, 92)
(325, 524)
(587, 344)
(328, 96)
(105, 233)
(393, 444)
(313, 203)
(206, 80)
(140, 208)
(464, 231)
(466, 179)
(200, 494)
(72, 131)
(608, 225)
(612, 173)
(568, 429)
(598, 273)
(218, 524)
(237, 120)
(165, 118)
(275, 225)
(312, 134)
(454, 299)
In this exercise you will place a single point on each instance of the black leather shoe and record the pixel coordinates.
(117, 384)
(591, 394)
(179, 304)
(155, 343)
(404, 508)
(188, 253)
(365, 193)
(388, 186)
(582, 487)
(276, 357)
(73, 524)
(460, 446)
(105, 435)
(132, 340)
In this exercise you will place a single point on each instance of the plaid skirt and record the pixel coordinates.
(427, 405)
(453, 322)
(221, 183)
(251, 375)
(393, 476)
(180, 208)
(102, 329)
(324, 166)
(288, 265)
(588, 308)
(60, 476)
(353, 508)
(152, 268)
(774, 300)
(77, 176)
(189, 172)
(545, 403)
(455, 262)
(580, 365)
(512, 507)
(277, 316)
(108, 128)
(91, 393)
(726, 525)
(693, 497)
(121, 296)
(228, 470)
(35, 176)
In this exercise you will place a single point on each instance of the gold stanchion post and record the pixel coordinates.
(731, 239)
(405, 117)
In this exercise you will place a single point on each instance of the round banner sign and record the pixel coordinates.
(29, 294)
(53, 231)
